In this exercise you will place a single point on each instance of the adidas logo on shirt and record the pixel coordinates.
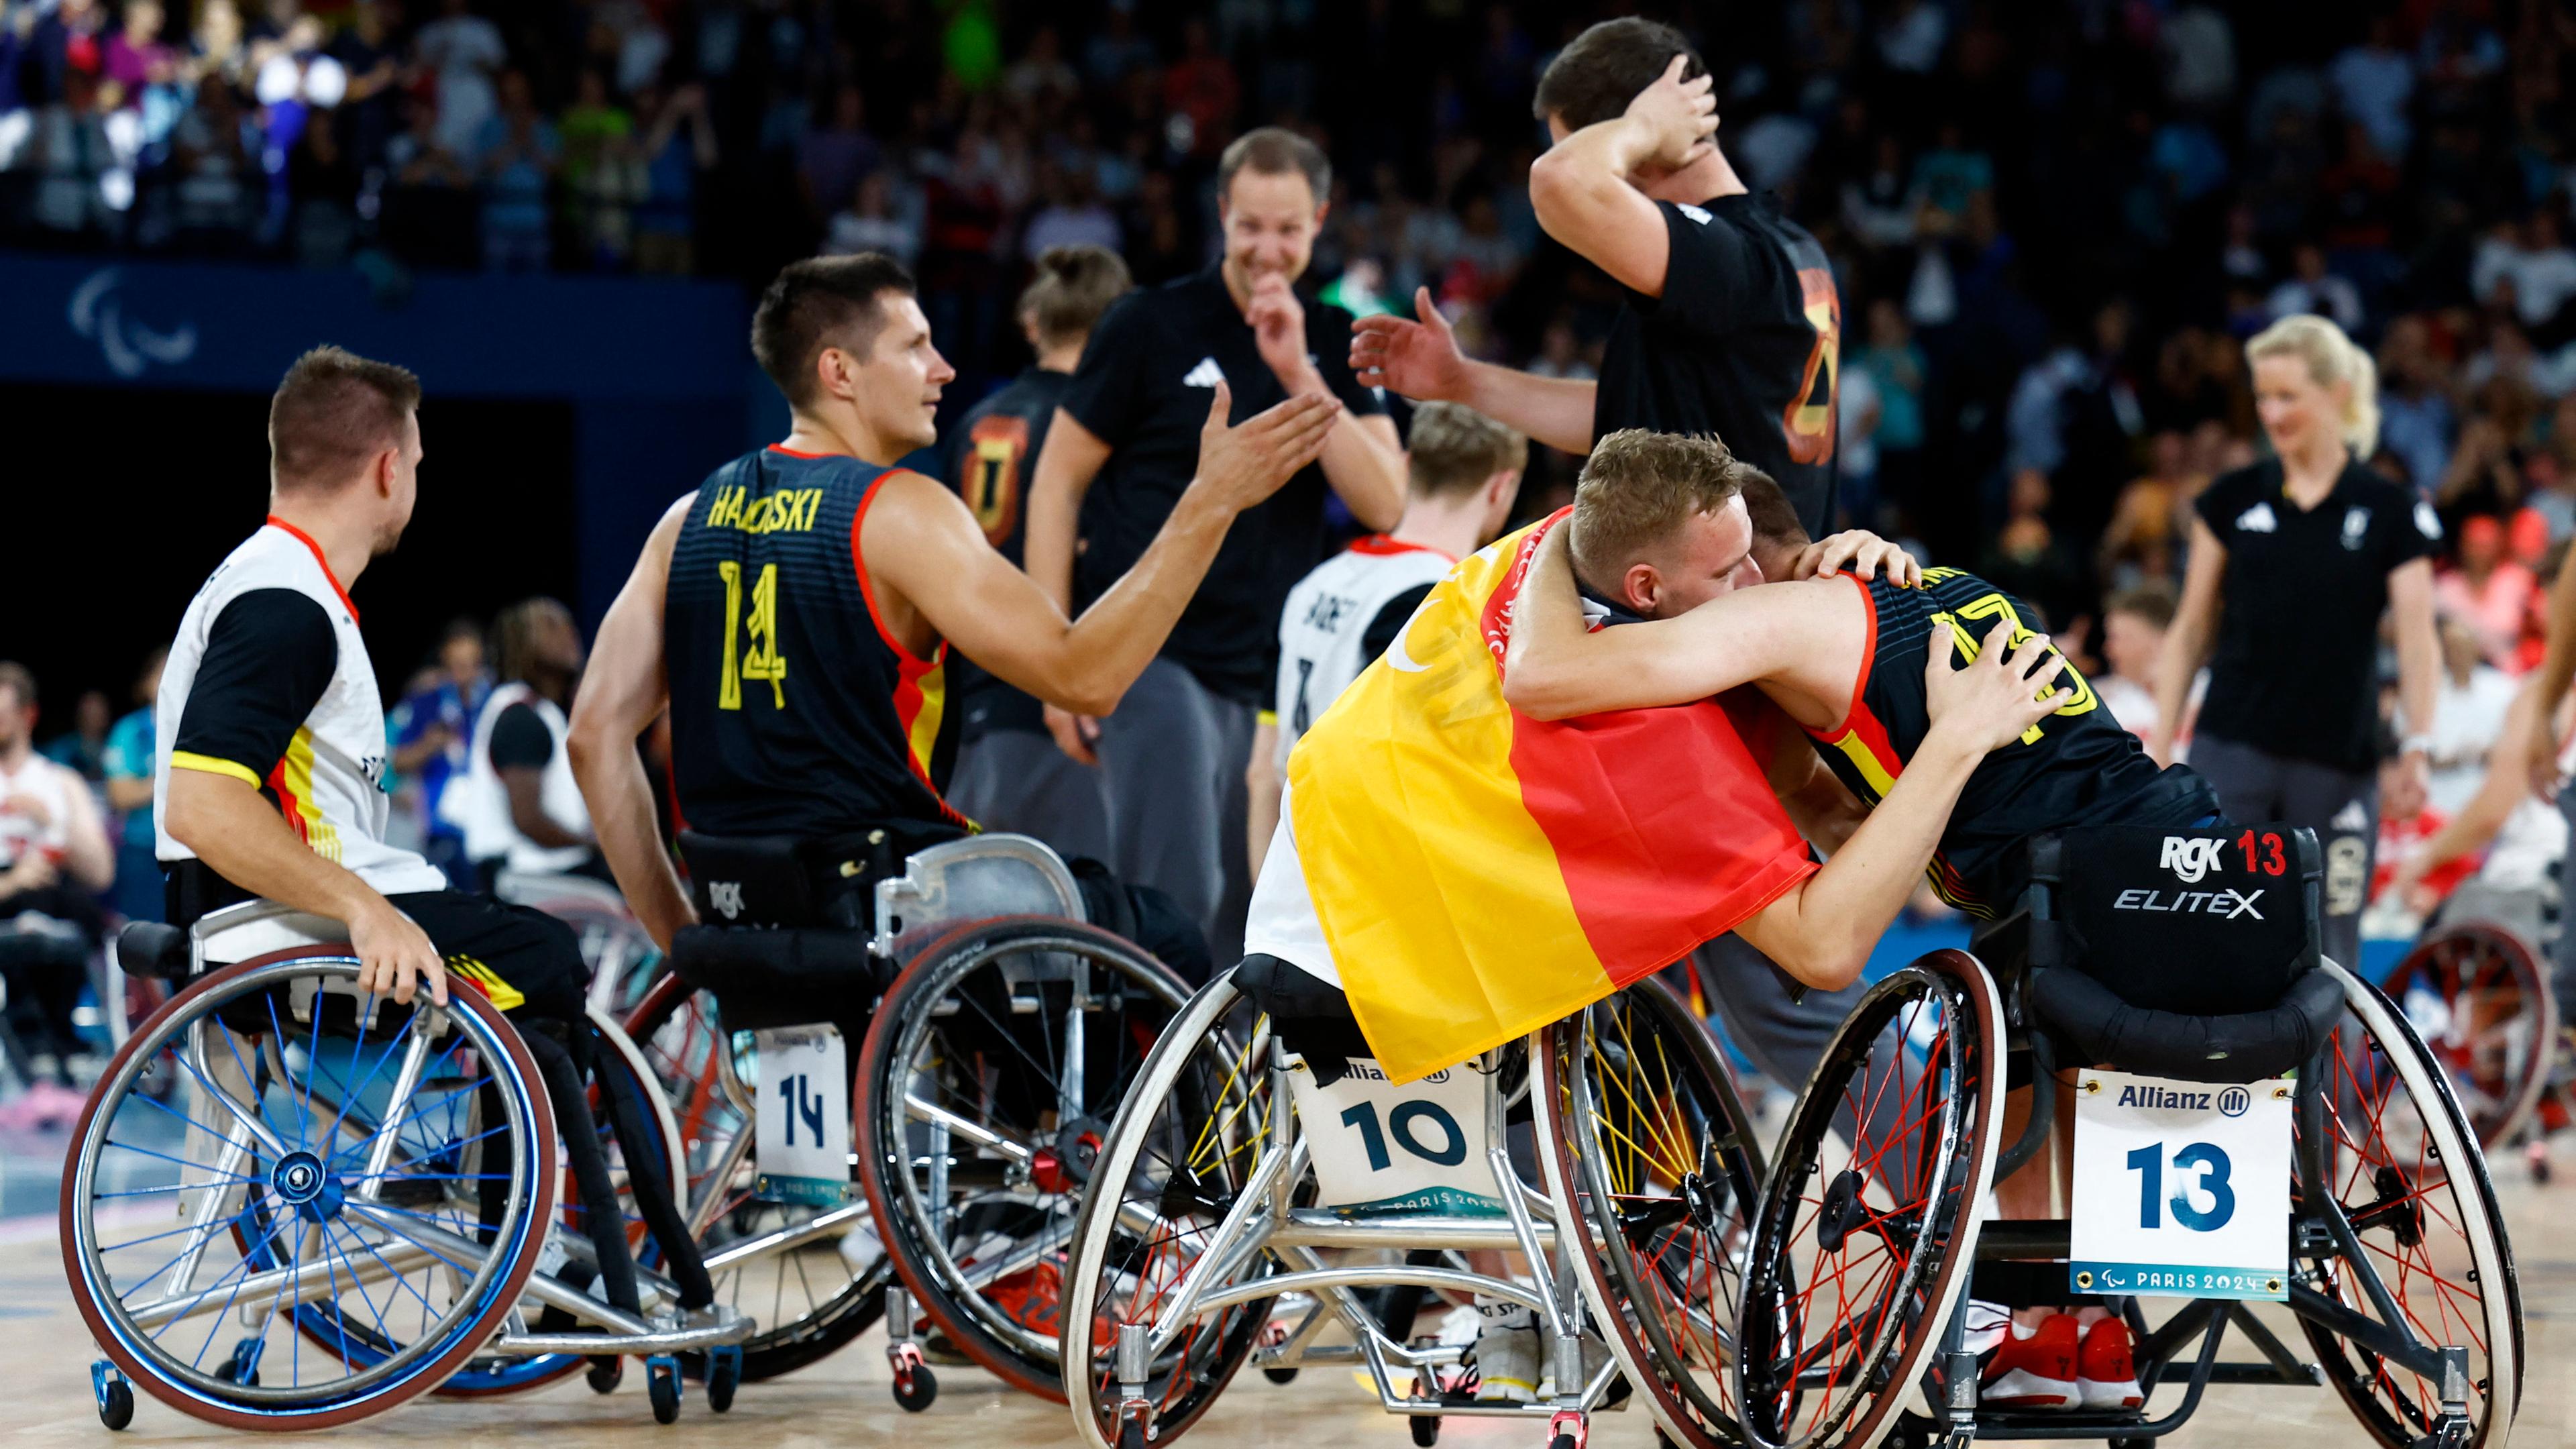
(2257, 519)
(2353, 818)
(1206, 374)
(1694, 213)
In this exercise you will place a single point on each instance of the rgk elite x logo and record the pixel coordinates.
(726, 897)
(2190, 857)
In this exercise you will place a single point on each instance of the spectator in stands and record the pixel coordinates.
(679, 144)
(2488, 592)
(2312, 288)
(324, 180)
(128, 767)
(212, 152)
(874, 223)
(603, 174)
(2468, 715)
(837, 153)
(2134, 622)
(464, 53)
(517, 155)
(1897, 371)
(2026, 558)
(53, 857)
(431, 728)
(82, 748)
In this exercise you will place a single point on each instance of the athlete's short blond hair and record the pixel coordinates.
(1636, 491)
(1453, 449)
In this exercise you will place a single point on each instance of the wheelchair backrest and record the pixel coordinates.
(993, 874)
(2201, 922)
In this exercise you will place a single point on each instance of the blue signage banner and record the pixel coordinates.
(141, 323)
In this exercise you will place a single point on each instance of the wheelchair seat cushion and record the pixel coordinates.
(1310, 1016)
(767, 979)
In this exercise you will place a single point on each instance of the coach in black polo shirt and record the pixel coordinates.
(1172, 757)
(1728, 322)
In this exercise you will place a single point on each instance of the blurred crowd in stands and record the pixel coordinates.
(2054, 221)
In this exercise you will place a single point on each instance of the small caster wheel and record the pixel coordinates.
(724, 1375)
(605, 1374)
(915, 1388)
(1280, 1376)
(241, 1366)
(1426, 1430)
(115, 1397)
(1563, 1441)
(662, 1381)
(1131, 1434)
(2537, 1154)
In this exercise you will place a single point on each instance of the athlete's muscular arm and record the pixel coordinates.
(623, 689)
(920, 543)
(2188, 642)
(1822, 931)
(526, 786)
(1797, 632)
(1072, 457)
(2419, 653)
(1816, 802)
(1420, 360)
(241, 837)
(1580, 189)
(2550, 681)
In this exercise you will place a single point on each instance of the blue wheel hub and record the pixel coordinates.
(303, 1183)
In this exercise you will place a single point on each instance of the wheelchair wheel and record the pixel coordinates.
(1643, 1132)
(1180, 1154)
(2483, 1006)
(2388, 1149)
(987, 1081)
(810, 1300)
(1861, 1245)
(386, 1169)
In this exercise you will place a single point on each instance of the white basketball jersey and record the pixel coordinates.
(479, 804)
(50, 786)
(1320, 630)
(330, 784)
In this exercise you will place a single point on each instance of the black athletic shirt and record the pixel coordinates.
(1744, 344)
(2296, 670)
(993, 452)
(1142, 388)
(2076, 767)
(793, 711)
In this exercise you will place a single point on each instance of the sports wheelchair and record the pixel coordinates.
(2477, 987)
(372, 1196)
(1878, 1213)
(1257, 1142)
(991, 1024)
(624, 963)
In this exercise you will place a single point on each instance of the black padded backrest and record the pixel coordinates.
(748, 880)
(2200, 922)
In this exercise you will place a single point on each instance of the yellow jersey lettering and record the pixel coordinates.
(790, 511)
(1967, 636)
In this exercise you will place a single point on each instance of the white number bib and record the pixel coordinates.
(804, 1116)
(2181, 1188)
(1380, 1149)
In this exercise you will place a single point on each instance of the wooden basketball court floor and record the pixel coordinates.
(844, 1402)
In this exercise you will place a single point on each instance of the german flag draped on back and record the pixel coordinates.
(1478, 873)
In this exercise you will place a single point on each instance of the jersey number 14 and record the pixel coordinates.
(761, 661)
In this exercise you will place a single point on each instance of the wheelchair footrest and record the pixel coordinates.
(715, 1330)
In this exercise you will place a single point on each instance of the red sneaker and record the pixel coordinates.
(1033, 1298)
(2037, 1372)
(2105, 1375)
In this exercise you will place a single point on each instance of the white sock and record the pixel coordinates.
(1503, 1315)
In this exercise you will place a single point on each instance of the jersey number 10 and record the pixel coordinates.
(762, 661)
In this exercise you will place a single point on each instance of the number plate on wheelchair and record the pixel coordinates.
(1380, 1149)
(2181, 1188)
(804, 1117)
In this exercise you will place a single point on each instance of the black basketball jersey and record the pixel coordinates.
(2079, 766)
(793, 710)
(995, 455)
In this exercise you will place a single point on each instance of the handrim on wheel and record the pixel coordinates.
(1858, 1251)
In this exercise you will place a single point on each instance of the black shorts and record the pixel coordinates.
(527, 962)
